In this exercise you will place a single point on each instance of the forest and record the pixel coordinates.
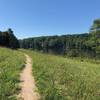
(75, 45)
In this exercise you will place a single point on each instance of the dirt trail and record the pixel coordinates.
(28, 88)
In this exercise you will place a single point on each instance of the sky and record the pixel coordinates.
(32, 18)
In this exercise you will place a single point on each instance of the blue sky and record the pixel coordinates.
(30, 18)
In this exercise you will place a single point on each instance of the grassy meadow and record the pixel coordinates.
(11, 64)
(59, 78)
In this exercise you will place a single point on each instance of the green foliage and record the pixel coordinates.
(59, 78)
(73, 53)
(11, 64)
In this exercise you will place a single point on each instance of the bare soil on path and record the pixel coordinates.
(28, 88)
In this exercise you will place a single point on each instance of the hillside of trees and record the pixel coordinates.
(7, 39)
(84, 45)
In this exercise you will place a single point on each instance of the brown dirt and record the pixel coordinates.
(28, 87)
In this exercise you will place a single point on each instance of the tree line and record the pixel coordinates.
(84, 45)
(77, 45)
(7, 39)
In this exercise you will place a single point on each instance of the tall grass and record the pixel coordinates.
(11, 63)
(59, 78)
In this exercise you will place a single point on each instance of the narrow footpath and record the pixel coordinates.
(28, 87)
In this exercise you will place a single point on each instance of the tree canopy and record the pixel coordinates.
(8, 39)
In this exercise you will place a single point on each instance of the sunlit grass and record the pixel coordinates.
(59, 78)
(11, 64)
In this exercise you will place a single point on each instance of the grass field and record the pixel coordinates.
(60, 78)
(11, 63)
(57, 78)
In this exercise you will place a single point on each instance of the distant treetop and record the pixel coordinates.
(96, 26)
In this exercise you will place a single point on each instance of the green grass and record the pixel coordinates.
(11, 64)
(60, 78)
